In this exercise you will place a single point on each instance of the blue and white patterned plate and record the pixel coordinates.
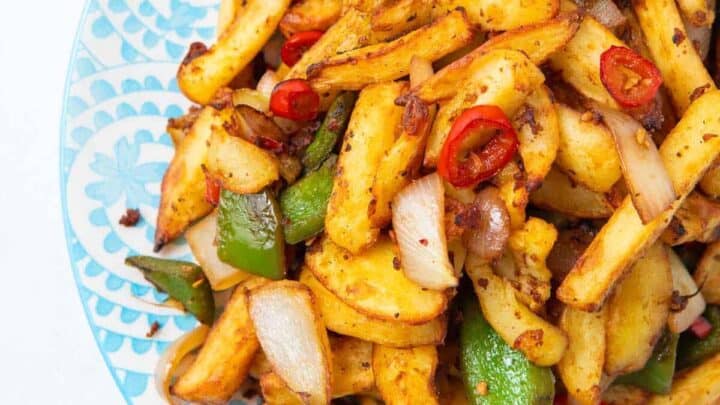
(114, 150)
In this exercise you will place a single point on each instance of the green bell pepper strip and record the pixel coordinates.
(509, 376)
(304, 203)
(182, 281)
(693, 350)
(657, 375)
(332, 129)
(250, 235)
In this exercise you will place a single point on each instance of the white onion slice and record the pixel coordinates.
(699, 36)
(647, 179)
(293, 338)
(488, 225)
(267, 83)
(607, 13)
(685, 286)
(418, 221)
(170, 360)
(201, 238)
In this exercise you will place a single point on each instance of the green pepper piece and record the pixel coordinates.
(183, 281)
(484, 357)
(657, 375)
(304, 203)
(330, 131)
(250, 235)
(693, 350)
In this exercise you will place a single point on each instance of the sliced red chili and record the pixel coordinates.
(701, 327)
(212, 190)
(629, 78)
(294, 99)
(466, 165)
(295, 46)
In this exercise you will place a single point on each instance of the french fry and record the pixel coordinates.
(512, 187)
(707, 274)
(683, 286)
(543, 343)
(405, 376)
(370, 133)
(366, 6)
(276, 392)
(496, 15)
(586, 152)
(372, 284)
(536, 41)
(579, 60)
(558, 193)
(581, 368)
(342, 318)
(624, 237)
(538, 132)
(226, 14)
(225, 358)
(238, 165)
(351, 368)
(310, 15)
(502, 77)
(386, 61)
(700, 385)
(529, 248)
(710, 183)
(637, 312)
(182, 193)
(699, 13)
(697, 220)
(299, 351)
(395, 18)
(683, 72)
(200, 78)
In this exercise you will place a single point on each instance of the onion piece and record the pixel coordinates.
(167, 366)
(685, 287)
(647, 179)
(419, 224)
(271, 50)
(607, 14)
(267, 83)
(253, 98)
(293, 338)
(201, 238)
(699, 36)
(488, 224)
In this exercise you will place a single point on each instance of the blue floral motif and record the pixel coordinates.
(123, 176)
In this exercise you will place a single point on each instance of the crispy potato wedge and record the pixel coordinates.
(581, 368)
(224, 360)
(683, 72)
(624, 237)
(700, 13)
(496, 15)
(201, 77)
(530, 247)
(179, 127)
(405, 376)
(697, 220)
(351, 366)
(543, 343)
(619, 394)
(502, 77)
(370, 283)
(226, 14)
(394, 18)
(342, 318)
(299, 351)
(201, 238)
(579, 60)
(536, 41)
(385, 61)
(684, 286)
(538, 131)
(366, 6)
(700, 385)
(637, 312)
(707, 274)
(276, 392)
(587, 151)
(310, 15)
(351, 31)
(710, 183)
(513, 191)
(238, 165)
(182, 194)
(559, 193)
(370, 133)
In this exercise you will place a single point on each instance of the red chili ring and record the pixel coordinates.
(614, 79)
(294, 99)
(295, 46)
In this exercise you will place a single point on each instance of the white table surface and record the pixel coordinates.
(47, 354)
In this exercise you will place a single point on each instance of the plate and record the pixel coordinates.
(114, 150)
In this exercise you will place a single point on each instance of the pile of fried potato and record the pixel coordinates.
(583, 285)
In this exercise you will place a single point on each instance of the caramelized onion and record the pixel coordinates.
(168, 364)
(488, 225)
(607, 13)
